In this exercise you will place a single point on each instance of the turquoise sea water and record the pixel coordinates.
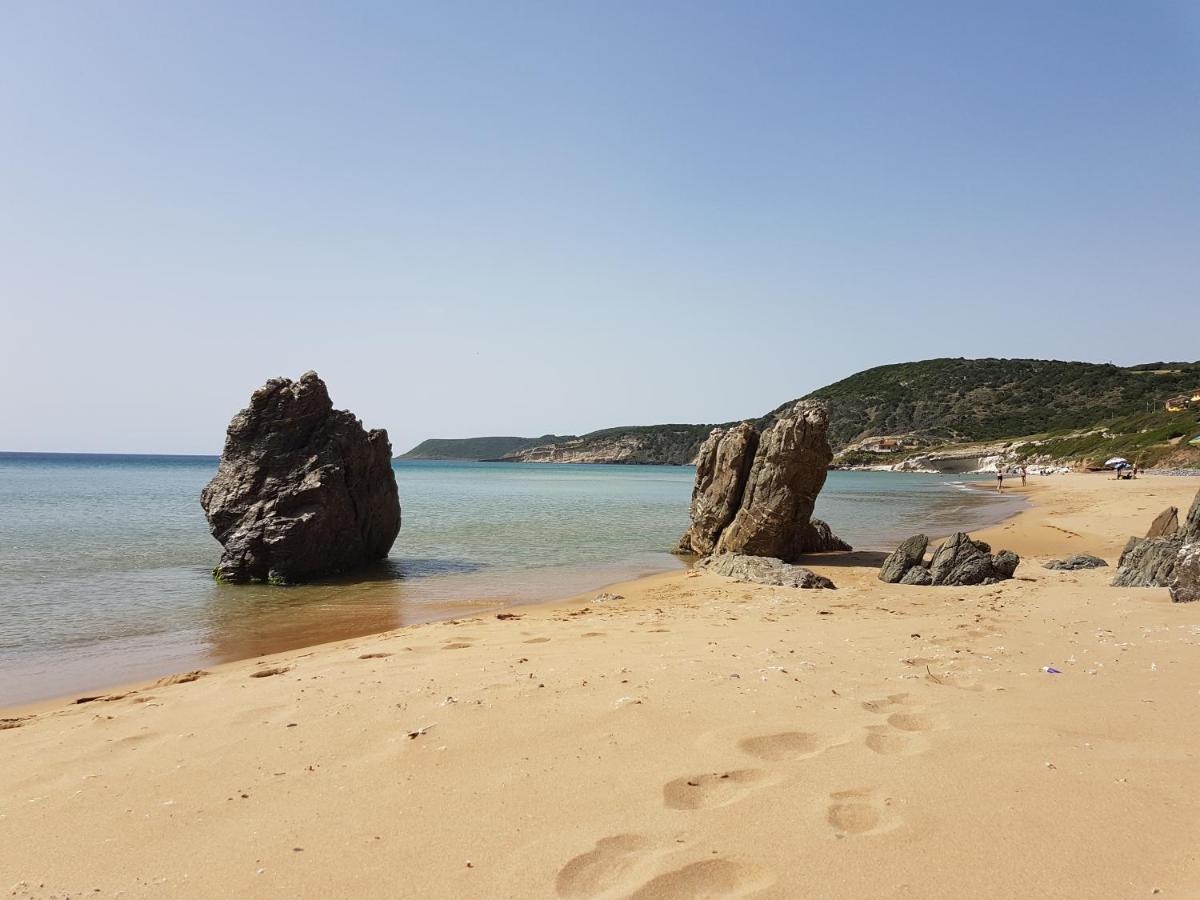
(105, 560)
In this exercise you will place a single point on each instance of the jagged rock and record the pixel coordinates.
(302, 489)
(1157, 561)
(817, 537)
(1149, 563)
(1075, 562)
(1165, 524)
(1005, 563)
(962, 561)
(917, 575)
(722, 466)
(1185, 586)
(903, 558)
(763, 570)
(754, 493)
(788, 472)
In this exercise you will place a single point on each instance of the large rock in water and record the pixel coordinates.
(722, 466)
(302, 489)
(1164, 561)
(754, 494)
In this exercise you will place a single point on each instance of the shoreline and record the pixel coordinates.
(694, 733)
(458, 608)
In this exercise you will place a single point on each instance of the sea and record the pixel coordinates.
(106, 560)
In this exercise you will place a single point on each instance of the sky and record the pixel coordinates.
(523, 217)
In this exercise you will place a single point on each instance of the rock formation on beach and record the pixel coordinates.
(754, 493)
(1169, 556)
(763, 570)
(303, 490)
(1075, 562)
(958, 561)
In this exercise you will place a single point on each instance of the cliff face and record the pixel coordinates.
(671, 445)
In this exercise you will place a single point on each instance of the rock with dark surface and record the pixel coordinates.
(1150, 562)
(722, 466)
(788, 472)
(1159, 561)
(962, 561)
(903, 558)
(818, 537)
(1165, 524)
(302, 489)
(1185, 585)
(1075, 562)
(917, 575)
(763, 570)
(754, 493)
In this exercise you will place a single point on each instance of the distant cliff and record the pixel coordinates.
(670, 445)
(477, 448)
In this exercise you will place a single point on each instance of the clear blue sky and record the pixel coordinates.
(513, 218)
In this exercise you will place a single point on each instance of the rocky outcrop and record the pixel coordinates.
(722, 466)
(1165, 524)
(789, 470)
(1075, 562)
(1166, 560)
(302, 489)
(1185, 587)
(754, 493)
(763, 570)
(903, 559)
(958, 561)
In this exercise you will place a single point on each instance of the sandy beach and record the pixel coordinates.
(692, 737)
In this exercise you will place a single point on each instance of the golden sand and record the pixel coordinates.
(694, 738)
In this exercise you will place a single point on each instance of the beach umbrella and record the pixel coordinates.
(1117, 462)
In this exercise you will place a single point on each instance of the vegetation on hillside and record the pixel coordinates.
(944, 400)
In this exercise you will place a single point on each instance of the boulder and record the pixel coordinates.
(817, 537)
(1185, 586)
(722, 466)
(917, 575)
(754, 493)
(903, 558)
(962, 561)
(1076, 561)
(1150, 562)
(1165, 524)
(302, 489)
(763, 570)
(1160, 561)
(789, 469)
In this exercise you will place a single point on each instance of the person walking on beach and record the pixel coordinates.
(1022, 473)
(999, 479)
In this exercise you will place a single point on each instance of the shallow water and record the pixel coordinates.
(105, 560)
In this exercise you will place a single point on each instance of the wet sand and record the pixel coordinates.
(694, 737)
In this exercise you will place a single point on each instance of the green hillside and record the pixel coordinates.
(950, 400)
(476, 448)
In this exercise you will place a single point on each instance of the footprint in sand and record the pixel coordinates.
(375, 656)
(853, 812)
(456, 645)
(712, 790)
(783, 746)
(705, 879)
(884, 704)
(537, 640)
(886, 742)
(911, 721)
(605, 867)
